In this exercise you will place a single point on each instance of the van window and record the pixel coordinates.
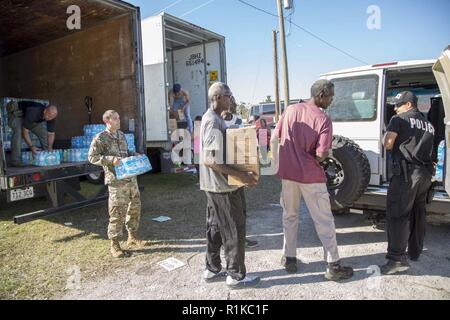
(269, 108)
(424, 95)
(355, 99)
(265, 109)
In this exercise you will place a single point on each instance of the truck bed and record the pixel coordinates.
(14, 171)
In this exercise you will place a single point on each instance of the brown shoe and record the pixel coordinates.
(117, 251)
(133, 241)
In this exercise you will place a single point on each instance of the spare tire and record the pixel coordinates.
(348, 173)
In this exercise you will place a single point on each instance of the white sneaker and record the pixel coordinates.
(209, 276)
(247, 282)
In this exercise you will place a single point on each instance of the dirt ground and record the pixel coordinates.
(361, 245)
(67, 256)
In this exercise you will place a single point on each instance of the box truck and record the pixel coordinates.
(85, 58)
(176, 51)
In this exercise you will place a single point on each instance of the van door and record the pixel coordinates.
(357, 114)
(155, 83)
(441, 70)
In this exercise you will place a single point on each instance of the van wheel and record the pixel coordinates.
(348, 174)
(96, 177)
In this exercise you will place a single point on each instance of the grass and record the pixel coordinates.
(36, 257)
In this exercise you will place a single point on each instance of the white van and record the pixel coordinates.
(358, 172)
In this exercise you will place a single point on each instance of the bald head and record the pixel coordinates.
(50, 112)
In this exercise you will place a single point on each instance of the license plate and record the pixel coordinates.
(20, 194)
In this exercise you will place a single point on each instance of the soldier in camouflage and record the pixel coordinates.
(107, 148)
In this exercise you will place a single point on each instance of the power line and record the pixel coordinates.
(169, 6)
(195, 9)
(307, 31)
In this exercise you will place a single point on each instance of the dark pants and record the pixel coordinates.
(225, 225)
(406, 213)
(39, 129)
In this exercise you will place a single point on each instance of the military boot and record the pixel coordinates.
(133, 241)
(117, 251)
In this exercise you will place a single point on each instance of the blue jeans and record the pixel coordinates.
(187, 116)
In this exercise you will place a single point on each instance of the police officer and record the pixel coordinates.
(410, 138)
(106, 150)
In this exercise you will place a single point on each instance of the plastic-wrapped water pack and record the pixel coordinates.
(76, 155)
(90, 130)
(130, 141)
(132, 166)
(440, 163)
(47, 158)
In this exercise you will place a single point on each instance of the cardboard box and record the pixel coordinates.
(242, 152)
(181, 115)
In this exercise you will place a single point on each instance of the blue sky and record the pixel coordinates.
(410, 30)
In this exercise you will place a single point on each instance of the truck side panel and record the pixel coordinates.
(97, 62)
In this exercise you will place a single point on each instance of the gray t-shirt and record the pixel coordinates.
(212, 137)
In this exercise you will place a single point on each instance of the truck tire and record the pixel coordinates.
(96, 178)
(348, 174)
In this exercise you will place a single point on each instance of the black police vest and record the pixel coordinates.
(415, 138)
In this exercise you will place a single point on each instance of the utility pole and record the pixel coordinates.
(283, 54)
(277, 87)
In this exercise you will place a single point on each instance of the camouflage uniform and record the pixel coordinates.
(124, 197)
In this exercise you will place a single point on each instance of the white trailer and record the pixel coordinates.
(176, 51)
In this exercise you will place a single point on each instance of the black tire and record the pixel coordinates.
(348, 174)
(96, 177)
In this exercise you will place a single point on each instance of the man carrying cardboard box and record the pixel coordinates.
(225, 218)
(233, 121)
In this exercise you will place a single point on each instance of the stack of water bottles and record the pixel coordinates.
(130, 141)
(132, 166)
(90, 130)
(76, 155)
(27, 158)
(440, 162)
(47, 158)
(7, 131)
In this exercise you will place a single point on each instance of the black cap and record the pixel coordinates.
(176, 88)
(404, 97)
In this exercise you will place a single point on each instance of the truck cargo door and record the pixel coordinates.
(190, 71)
(441, 70)
(154, 57)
